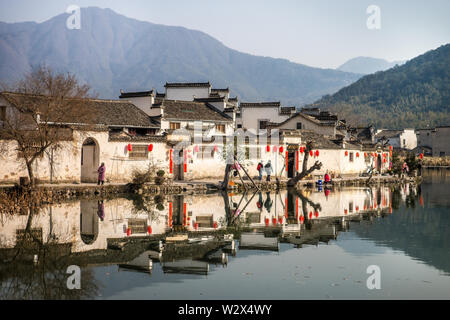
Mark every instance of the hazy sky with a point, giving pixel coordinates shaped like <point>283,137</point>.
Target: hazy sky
<point>316,32</point>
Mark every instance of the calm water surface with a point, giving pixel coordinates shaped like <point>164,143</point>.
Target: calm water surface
<point>311,245</point>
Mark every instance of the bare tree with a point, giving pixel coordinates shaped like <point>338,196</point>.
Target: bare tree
<point>42,110</point>
<point>305,171</point>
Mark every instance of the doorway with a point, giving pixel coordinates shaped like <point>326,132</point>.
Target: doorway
<point>179,168</point>
<point>291,164</point>
<point>90,157</point>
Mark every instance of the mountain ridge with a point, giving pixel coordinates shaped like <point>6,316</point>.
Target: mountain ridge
<point>112,52</point>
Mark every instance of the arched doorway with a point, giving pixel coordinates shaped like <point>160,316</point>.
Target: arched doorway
<point>90,158</point>
<point>88,221</point>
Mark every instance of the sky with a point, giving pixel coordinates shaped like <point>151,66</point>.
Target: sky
<point>318,33</point>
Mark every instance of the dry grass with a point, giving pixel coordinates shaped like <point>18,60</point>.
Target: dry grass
<point>436,161</point>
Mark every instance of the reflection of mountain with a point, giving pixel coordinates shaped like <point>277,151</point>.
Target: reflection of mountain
<point>421,234</point>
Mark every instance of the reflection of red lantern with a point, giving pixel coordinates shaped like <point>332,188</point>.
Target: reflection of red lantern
<point>266,221</point>
<point>316,214</point>
<point>149,230</point>
<point>310,214</point>
<point>129,147</point>
<point>195,225</point>
<point>128,232</point>
<point>421,156</point>
<point>268,148</point>
<point>345,211</point>
<point>196,148</point>
<point>281,149</point>
<point>311,153</point>
<point>317,153</point>
<point>274,220</point>
<point>280,220</point>
<point>327,192</point>
<point>302,218</point>
<point>357,208</point>
<point>150,147</point>
<point>274,148</point>
<point>216,148</point>
<point>215,225</point>
<point>346,153</point>
<point>301,149</point>
<point>390,148</point>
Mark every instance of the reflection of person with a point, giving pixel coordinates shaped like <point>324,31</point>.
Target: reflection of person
<point>259,204</point>
<point>268,168</point>
<point>101,174</point>
<point>268,203</point>
<point>101,210</point>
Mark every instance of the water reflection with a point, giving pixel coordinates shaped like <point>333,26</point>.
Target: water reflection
<point>195,234</point>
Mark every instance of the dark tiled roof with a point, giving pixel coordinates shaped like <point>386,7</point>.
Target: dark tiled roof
<point>220,90</point>
<point>260,104</point>
<point>388,133</point>
<point>187,84</point>
<point>192,110</point>
<point>287,110</point>
<point>211,99</point>
<point>124,95</point>
<point>122,136</point>
<point>104,112</point>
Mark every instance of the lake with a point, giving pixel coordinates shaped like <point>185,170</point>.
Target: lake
<point>336,243</point>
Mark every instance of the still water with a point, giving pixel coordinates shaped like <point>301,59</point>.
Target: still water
<point>314,244</point>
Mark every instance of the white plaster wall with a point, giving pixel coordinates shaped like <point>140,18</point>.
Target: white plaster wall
<point>408,139</point>
<point>187,94</point>
<point>143,103</point>
<point>250,116</point>
<point>441,141</point>
<point>308,125</point>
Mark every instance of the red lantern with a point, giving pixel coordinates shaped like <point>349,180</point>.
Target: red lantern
<point>128,232</point>
<point>280,220</point>
<point>268,148</point>
<point>357,208</point>
<point>357,154</point>
<point>346,153</point>
<point>301,149</point>
<point>274,148</point>
<point>196,148</point>
<point>149,230</point>
<point>372,154</point>
<point>266,221</point>
<point>311,153</point>
<point>281,149</point>
<point>216,148</point>
<point>195,225</point>
<point>274,220</point>
<point>302,218</point>
<point>390,148</point>
<point>129,147</point>
<point>365,155</point>
<point>310,214</point>
<point>317,153</point>
<point>215,225</point>
<point>316,214</point>
<point>150,147</point>
<point>345,211</point>
<point>421,156</point>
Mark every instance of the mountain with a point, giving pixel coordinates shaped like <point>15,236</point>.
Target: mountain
<point>112,52</point>
<point>415,94</point>
<point>367,65</point>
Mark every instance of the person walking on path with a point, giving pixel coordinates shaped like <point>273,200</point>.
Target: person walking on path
<point>269,170</point>
<point>260,169</point>
<point>101,174</point>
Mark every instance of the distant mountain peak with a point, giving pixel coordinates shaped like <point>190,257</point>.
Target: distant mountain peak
<point>367,65</point>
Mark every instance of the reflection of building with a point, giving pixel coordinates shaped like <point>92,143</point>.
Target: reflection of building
<point>257,241</point>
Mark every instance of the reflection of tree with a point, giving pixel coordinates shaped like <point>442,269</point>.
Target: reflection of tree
<point>46,278</point>
<point>148,204</point>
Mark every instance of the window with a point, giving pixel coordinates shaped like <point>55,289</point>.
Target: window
<point>404,142</point>
<point>263,124</point>
<point>299,125</point>
<point>350,207</point>
<point>351,156</point>
<point>2,113</point>
<point>175,125</point>
<point>239,126</point>
<point>138,152</point>
<point>220,128</point>
<point>206,152</point>
<point>442,154</point>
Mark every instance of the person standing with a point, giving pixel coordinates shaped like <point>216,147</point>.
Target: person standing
<point>269,170</point>
<point>101,174</point>
<point>260,169</point>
